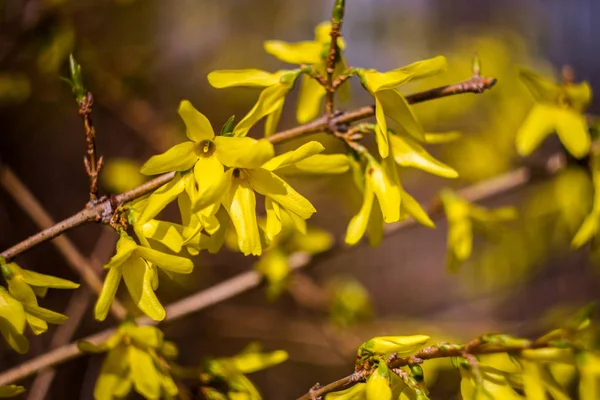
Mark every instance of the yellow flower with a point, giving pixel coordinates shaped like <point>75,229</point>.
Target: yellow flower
<point>407,152</point>
<point>378,384</point>
<point>24,286</point>
<point>463,218</point>
<point>135,360</point>
<point>137,265</point>
<point>207,154</point>
<point>386,345</point>
<point>240,200</point>
<point>558,108</point>
<point>270,101</point>
<point>589,226</point>
<point>313,53</point>
<point>12,322</point>
<point>389,102</point>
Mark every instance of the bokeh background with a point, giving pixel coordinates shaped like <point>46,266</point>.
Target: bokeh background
<point>142,57</point>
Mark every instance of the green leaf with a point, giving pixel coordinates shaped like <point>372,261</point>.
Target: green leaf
<point>227,128</point>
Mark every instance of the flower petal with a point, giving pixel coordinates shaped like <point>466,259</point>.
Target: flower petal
<point>138,277</point>
<point>381,131</point>
<point>309,99</point>
<point>412,207</point>
<point>305,52</point>
<point>242,77</point>
<point>572,130</point>
<point>209,176</point>
<point>167,233</point>
<point>358,224</point>
<point>409,153</point>
<point>386,190</point>
<point>291,157</point>
<point>180,157</point>
<point>180,265</point>
<point>115,369</point>
<point>320,164</point>
<point>162,196</point>
<point>243,152</point>
<point>273,223</point>
<point>417,70</point>
<point>272,120</point>
<point>240,203</point>
<point>539,124</point>
<point>107,295</point>
<point>198,126</point>
<point>41,280</point>
<point>541,88</point>
<point>397,108</point>
<point>269,101</point>
<point>143,373</point>
<point>268,184</point>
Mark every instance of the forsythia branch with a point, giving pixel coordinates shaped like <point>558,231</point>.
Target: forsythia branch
<point>103,210</point>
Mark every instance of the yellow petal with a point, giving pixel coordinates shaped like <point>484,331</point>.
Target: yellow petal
<point>323,32</point>
<point>381,130</point>
<point>306,52</point>
<point>198,126</point>
<point>309,100</point>
<point>36,279</point>
<point>403,345</point>
<point>579,95</point>
<point>378,384</point>
<point>273,224</point>
<point>107,295</point>
<point>240,203</point>
<point>417,70</point>
<point>272,120</point>
<point>143,373</point>
<point>180,157</point>
<point>268,184</point>
<point>37,325</point>
<point>12,322</point>
<point>210,181</point>
<point>291,157</point>
<point>45,314</point>
<point>539,123</point>
<point>532,381</point>
<point>144,336</point>
<point>542,89</point>
<point>587,230</point>
<point>320,164</point>
<point>414,209</point>
<point>167,233</point>
<point>358,224</point>
<point>275,267</point>
<point>375,230</point>
<point>387,192</point>
<point>572,130</point>
<point>161,197</point>
<point>115,369</point>
<point>243,152</point>
<point>11,390</point>
<point>269,101</point>
<point>242,77</point>
<point>313,242</point>
<point>247,363</point>
<point>397,108</point>
<point>20,290</point>
<point>442,137</point>
<point>180,265</point>
<point>138,279</point>
<point>409,153</point>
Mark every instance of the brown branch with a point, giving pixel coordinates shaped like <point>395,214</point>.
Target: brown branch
<point>104,209</point>
<point>78,305</point>
<point>28,203</point>
<point>246,281</point>
<point>92,164</point>
<point>443,350</point>
<point>337,18</point>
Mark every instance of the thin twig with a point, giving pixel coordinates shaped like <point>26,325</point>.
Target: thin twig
<point>78,305</point>
<point>104,209</point>
<point>239,284</point>
<point>93,164</point>
<point>28,203</point>
<point>333,55</point>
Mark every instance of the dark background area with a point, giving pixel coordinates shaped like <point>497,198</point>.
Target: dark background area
<point>140,58</point>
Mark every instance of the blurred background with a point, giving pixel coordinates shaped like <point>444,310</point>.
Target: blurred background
<point>140,58</point>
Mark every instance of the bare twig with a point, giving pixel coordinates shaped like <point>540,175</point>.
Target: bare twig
<point>337,17</point>
<point>104,209</point>
<point>239,284</point>
<point>79,303</point>
<point>27,201</point>
<point>92,164</point>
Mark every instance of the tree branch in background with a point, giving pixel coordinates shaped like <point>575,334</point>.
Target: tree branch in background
<point>246,281</point>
